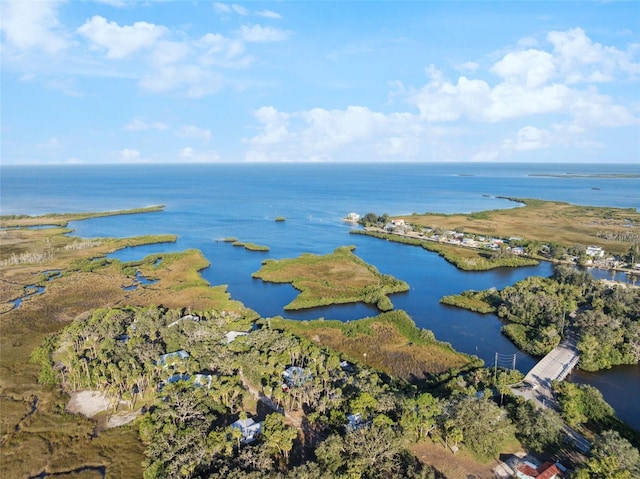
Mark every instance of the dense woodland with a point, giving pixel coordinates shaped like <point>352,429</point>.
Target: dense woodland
<point>332,419</point>
<point>540,311</point>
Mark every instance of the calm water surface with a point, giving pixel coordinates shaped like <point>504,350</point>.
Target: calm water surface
<point>204,203</point>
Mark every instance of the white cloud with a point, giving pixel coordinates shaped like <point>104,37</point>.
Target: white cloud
<point>130,155</point>
<point>275,126</point>
<point>189,155</point>
<point>190,131</point>
<point>529,138</point>
<point>582,60</point>
<point>32,25</point>
<point>227,9</point>
<point>260,34</point>
<point>140,125</point>
<point>529,67</point>
<point>219,50</point>
<point>269,14</point>
<point>122,41</point>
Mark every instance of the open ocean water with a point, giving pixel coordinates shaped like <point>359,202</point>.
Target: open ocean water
<point>207,202</point>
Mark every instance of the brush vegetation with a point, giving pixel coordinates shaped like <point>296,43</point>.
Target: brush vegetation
<point>336,278</point>
<point>37,435</point>
<point>389,342</point>
<point>550,222</point>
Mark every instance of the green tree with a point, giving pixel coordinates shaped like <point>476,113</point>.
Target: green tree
<point>277,436</point>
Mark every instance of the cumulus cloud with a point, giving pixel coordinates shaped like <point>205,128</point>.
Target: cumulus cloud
<point>122,41</point>
<point>532,82</point>
<point>260,34</point>
<point>32,25</point>
<point>274,125</point>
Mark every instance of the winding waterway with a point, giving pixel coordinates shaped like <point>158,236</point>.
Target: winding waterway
<point>207,202</point>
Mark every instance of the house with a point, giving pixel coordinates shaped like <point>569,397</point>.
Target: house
<point>249,429</point>
<point>517,250</point>
<point>202,380</point>
<point>547,470</point>
<point>170,359</point>
<point>232,335</point>
<point>352,218</point>
<point>296,376</point>
<point>595,252</point>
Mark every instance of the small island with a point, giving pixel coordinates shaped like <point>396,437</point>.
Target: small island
<point>337,278</point>
<point>250,246</point>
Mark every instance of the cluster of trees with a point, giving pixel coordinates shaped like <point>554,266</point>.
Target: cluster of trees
<point>540,311</point>
<point>187,428</point>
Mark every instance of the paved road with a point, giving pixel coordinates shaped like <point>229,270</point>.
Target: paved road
<point>555,366</point>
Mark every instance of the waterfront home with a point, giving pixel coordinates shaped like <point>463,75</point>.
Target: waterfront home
<point>595,251</point>
<point>352,218</point>
<point>233,335</point>
<point>249,429</point>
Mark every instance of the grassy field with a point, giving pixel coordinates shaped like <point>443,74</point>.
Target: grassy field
<point>336,278</point>
<point>36,434</point>
<point>614,229</point>
<point>389,342</point>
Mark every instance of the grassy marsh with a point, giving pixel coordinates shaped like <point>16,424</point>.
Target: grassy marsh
<point>390,342</point>
<point>336,278</point>
<point>546,221</point>
<point>36,434</point>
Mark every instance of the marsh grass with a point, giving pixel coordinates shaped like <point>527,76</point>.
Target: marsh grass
<point>389,342</point>
<point>336,278</point>
<point>545,221</point>
<point>46,438</point>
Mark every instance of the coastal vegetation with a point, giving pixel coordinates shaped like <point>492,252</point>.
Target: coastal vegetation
<point>332,419</point>
<point>336,278</point>
<point>389,342</point>
<point>540,222</point>
<point>251,246</point>
<point>63,219</point>
<point>176,363</point>
<point>37,435</point>
<point>540,311</point>
<point>466,259</point>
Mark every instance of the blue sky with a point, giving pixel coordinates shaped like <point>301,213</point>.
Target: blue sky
<point>123,81</point>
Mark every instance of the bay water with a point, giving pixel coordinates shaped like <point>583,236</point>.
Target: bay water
<point>205,203</point>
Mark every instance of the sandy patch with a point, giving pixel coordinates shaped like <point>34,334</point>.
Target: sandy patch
<point>121,418</point>
<point>88,403</point>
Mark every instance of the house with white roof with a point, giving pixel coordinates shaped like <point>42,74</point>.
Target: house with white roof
<point>249,429</point>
